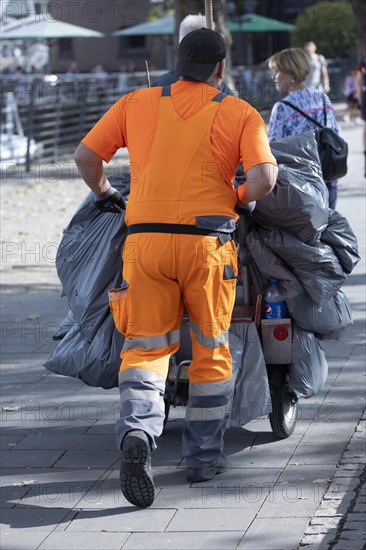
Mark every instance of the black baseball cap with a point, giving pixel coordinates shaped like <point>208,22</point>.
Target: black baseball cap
<point>198,54</point>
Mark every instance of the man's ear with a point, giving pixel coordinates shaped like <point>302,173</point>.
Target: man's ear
<point>221,68</point>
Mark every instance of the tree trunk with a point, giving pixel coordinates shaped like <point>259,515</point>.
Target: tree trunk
<point>193,7</point>
<point>219,18</point>
<point>359,9</point>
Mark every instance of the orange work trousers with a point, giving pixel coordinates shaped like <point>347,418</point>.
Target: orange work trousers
<point>163,274</point>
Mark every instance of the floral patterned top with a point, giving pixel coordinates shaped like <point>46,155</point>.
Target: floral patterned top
<point>284,121</point>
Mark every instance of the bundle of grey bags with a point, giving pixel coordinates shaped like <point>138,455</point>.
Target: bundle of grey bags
<point>293,236</point>
<point>88,264</point>
<point>310,249</point>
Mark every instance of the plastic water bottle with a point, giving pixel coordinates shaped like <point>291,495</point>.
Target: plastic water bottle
<point>274,302</point>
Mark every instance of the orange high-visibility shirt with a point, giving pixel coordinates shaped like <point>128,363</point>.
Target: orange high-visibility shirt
<point>184,150</point>
<point>238,133</point>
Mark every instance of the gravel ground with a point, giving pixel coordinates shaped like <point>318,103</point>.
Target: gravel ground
<point>35,209</point>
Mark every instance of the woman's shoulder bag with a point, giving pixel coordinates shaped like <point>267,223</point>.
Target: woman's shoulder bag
<point>332,149</point>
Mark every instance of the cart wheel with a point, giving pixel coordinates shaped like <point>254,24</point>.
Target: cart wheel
<point>284,402</point>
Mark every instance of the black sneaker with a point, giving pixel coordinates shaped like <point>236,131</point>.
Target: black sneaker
<point>136,478</point>
<point>205,473</point>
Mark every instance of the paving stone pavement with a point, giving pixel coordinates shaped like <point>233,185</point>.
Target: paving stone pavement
<point>60,486</point>
<point>339,521</point>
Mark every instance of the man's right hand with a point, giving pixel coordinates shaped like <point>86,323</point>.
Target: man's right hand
<point>110,201</point>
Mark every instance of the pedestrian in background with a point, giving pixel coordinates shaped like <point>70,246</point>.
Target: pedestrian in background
<point>361,95</point>
<point>101,75</point>
<point>23,84</point>
<point>290,69</point>
<point>179,251</point>
<point>350,93</point>
<point>318,77</point>
<point>73,69</point>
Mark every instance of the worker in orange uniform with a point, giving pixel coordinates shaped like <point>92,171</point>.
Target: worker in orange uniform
<point>185,142</point>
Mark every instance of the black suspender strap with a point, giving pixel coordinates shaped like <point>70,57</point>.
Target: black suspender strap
<point>325,112</point>
<point>304,114</point>
<point>165,92</point>
<point>219,97</point>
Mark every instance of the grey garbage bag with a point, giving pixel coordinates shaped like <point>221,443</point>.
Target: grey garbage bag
<point>316,266</point>
<point>309,369</point>
<point>89,262</point>
<point>67,324</point>
<point>267,265</point>
<point>328,320</point>
<point>301,153</point>
<point>95,362</point>
<point>251,389</point>
<point>340,236</point>
<point>299,201</point>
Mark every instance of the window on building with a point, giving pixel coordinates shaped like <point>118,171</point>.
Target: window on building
<point>65,48</point>
<point>132,46</point>
<point>137,42</point>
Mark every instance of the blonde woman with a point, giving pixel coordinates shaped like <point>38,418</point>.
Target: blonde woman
<point>290,68</point>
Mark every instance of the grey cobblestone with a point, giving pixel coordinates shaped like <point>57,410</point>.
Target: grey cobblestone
<point>351,525</point>
<point>348,470</point>
<point>318,529</point>
<point>352,535</point>
<point>319,540</point>
<point>359,508</point>
<point>330,523</point>
<point>355,517</point>
<point>345,484</point>
<point>346,545</point>
<point>352,460</point>
<point>343,505</point>
<point>332,508</point>
<point>355,452</point>
<point>357,449</point>
<point>340,495</point>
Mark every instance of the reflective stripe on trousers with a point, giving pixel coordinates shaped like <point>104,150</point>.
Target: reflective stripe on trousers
<point>207,417</point>
<point>141,404</point>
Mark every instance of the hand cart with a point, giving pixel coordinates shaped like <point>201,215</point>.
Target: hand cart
<point>276,341</point>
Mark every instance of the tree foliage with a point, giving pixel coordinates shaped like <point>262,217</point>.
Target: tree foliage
<point>158,12</point>
<point>331,25</point>
<point>359,9</point>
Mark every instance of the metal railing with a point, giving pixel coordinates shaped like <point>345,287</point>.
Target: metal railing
<point>56,111</point>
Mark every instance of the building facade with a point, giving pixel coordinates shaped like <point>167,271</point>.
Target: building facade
<point>106,16</point>
<point>127,54</point>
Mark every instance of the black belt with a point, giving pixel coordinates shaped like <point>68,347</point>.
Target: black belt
<point>174,228</point>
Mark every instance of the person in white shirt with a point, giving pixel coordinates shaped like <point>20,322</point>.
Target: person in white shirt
<point>318,78</point>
